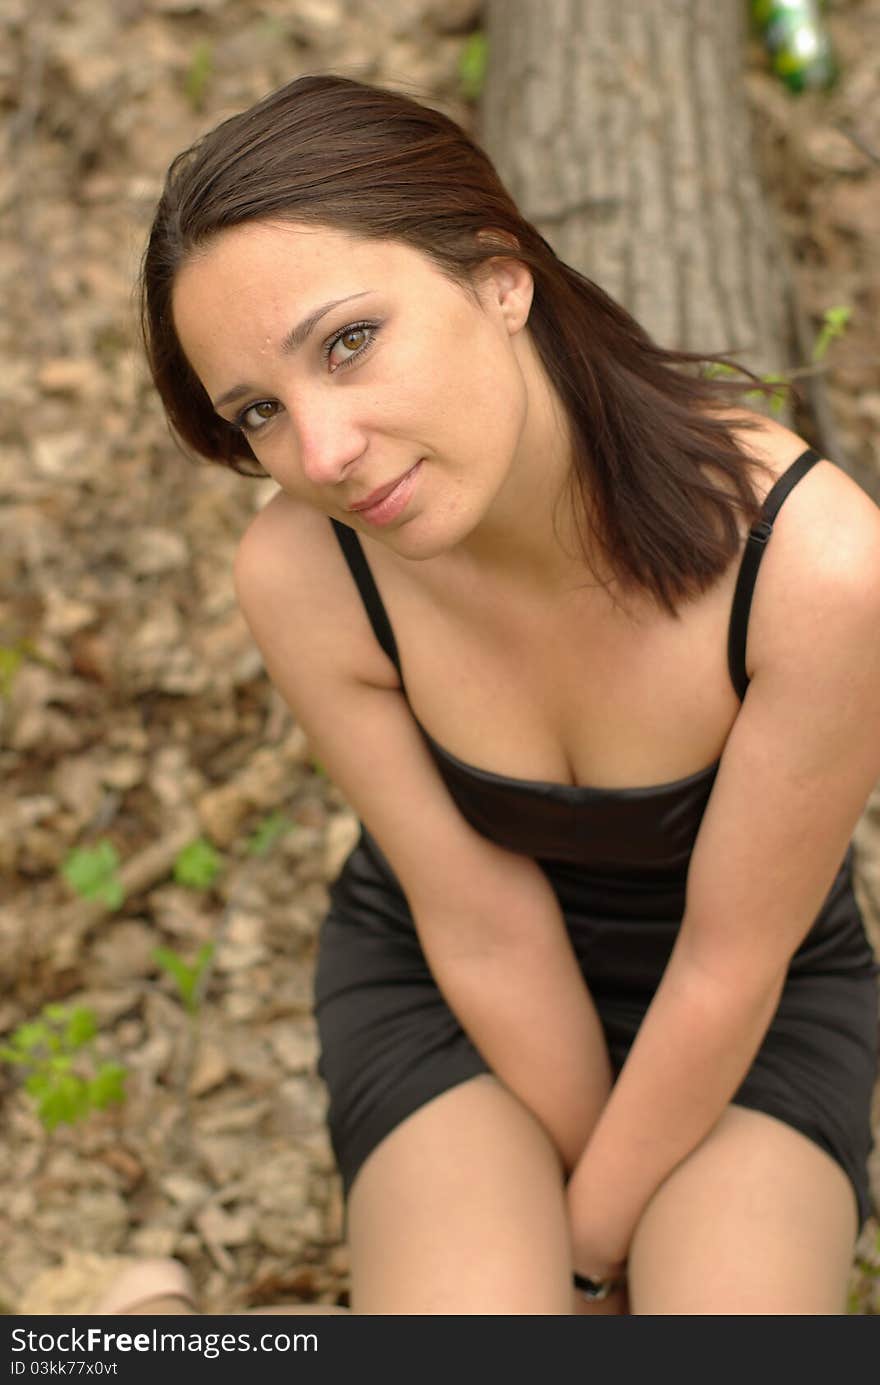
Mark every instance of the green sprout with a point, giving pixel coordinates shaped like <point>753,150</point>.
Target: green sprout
<point>47,1049</point>
<point>91,872</point>
<point>713,369</point>
<point>197,865</point>
<point>834,323</point>
<point>777,398</point>
<point>198,75</point>
<point>187,977</point>
<point>267,832</point>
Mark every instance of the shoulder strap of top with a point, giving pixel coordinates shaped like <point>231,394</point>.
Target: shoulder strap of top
<point>365,583</point>
<point>757,541</point>
<point>742,598</point>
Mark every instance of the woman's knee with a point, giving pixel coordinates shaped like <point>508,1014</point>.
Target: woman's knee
<point>461,1209</point>
<point>757,1220</point>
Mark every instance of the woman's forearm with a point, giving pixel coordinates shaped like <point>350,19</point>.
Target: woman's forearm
<point>527,1009</point>
<point>691,1053</point>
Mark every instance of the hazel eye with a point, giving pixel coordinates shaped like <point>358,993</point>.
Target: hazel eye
<point>251,419</point>
<point>357,339</point>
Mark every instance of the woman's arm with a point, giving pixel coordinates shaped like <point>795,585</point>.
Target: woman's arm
<point>488,920</point>
<point>799,764</point>
<point>518,991</point>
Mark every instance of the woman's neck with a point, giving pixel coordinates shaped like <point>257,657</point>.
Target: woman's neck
<point>530,534</point>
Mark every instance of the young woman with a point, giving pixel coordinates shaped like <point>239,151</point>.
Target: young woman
<point>593,994</point>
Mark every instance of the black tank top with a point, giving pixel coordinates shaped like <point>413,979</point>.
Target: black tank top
<point>606,830</point>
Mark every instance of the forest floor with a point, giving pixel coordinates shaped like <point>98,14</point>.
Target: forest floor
<point>134,708</point>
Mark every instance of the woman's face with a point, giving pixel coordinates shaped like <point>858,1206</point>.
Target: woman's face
<point>368,385</point>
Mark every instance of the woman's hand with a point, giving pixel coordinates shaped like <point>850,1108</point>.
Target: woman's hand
<point>602,1286</point>
<point>598,1258</point>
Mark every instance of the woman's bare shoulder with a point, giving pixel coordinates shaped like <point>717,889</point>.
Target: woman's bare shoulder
<point>279,520</point>
<point>831,507</point>
<point>289,568</point>
<point>819,584</point>
<point>819,580</point>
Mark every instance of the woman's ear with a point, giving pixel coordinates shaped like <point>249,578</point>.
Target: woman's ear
<point>506,284</point>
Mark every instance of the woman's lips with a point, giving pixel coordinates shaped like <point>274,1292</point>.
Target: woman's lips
<point>385,504</point>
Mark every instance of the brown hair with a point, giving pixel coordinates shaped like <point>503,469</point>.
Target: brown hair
<point>658,478</point>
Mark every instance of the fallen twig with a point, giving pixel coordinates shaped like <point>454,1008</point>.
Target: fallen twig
<point>855,138</point>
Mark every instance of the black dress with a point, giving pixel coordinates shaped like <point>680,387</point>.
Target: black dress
<point>617,860</point>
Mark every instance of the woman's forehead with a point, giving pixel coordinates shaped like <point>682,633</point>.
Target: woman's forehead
<point>298,251</point>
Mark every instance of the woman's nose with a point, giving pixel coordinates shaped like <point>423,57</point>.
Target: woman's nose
<point>330,442</point>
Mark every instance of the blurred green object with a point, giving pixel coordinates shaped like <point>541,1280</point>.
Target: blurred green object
<point>797,42</point>
<point>472,66</point>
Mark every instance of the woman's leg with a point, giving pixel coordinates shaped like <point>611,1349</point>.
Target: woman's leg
<point>151,1285</point>
<point>461,1210</point>
<point>757,1220</point>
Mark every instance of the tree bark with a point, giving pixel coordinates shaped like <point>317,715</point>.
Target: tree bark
<point>621,129</point>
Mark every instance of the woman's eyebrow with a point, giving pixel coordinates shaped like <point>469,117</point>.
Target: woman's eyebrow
<point>291,342</point>
<point>297,335</point>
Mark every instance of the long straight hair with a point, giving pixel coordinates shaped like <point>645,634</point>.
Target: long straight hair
<point>658,482</point>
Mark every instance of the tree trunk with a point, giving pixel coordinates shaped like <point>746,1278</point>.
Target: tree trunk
<point>620,127</point>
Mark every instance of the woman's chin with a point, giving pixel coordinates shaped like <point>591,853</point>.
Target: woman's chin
<point>423,536</point>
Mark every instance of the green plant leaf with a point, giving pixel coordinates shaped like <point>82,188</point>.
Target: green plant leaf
<point>199,74</point>
<point>204,955</point>
<point>91,871</point>
<point>197,865</point>
<point>28,1038</point>
<point>64,1101</point>
<point>48,1046</point>
<point>107,1085</point>
<point>186,977</point>
<point>834,323</point>
<point>111,892</point>
<point>267,832</point>
<point>175,966</point>
<point>80,1026</point>
<point>777,398</point>
<point>58,1064</point>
